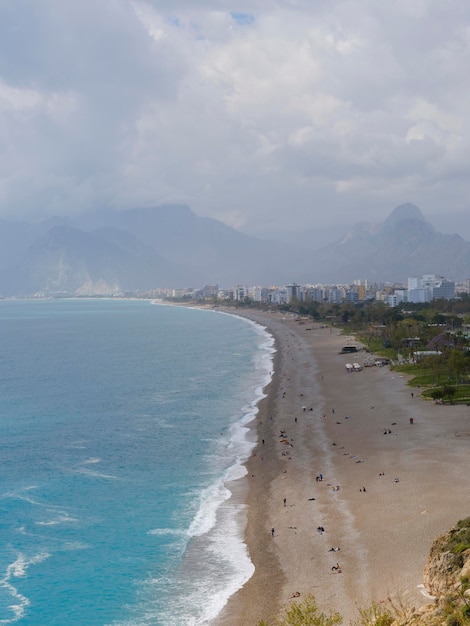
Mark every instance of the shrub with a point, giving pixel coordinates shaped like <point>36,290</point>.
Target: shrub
<point>459,540</point>
<point>382,614</point>
<point>306,613</point>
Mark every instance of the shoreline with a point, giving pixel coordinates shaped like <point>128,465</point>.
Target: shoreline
<point>385,532</point>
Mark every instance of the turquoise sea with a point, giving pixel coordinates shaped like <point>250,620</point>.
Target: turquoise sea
<point>122,424</point>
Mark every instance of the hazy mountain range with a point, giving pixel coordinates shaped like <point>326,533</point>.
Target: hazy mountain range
<point>169,246</point>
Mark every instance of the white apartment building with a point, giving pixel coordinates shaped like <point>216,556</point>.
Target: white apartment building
<point>426,288</point>
<point>419,295</point>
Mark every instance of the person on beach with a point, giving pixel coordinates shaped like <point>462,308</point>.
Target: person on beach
<point>272,532</point>
<point>285,501</point>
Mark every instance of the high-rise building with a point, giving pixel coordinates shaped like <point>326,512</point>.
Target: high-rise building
<point>293,292</point>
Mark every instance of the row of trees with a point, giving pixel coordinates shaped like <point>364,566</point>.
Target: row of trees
<point>452,313</point>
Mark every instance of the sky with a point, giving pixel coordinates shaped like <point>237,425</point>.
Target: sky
<point>271,116</point>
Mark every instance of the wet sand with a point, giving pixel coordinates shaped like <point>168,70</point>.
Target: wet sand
<point>319,419</point>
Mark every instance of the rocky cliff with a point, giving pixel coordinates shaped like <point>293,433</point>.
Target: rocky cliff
<point>447,579</point>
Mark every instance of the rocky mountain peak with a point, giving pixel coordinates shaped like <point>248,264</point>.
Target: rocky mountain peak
<point>405,211</point>
<point>402,214</point>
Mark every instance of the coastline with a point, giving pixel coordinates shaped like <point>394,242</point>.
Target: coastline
<point>385,532</point>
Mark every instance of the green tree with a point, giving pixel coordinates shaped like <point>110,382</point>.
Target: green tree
<point>434,363</point>
<point>437,394</point>
<point>449,391</point>
<point>457,364</point>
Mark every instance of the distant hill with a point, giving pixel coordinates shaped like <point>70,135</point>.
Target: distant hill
<point>169,246</point>
<point>210,251</point>
<point>404,245</point>
<point>111,252</point>
<point>69,261</point>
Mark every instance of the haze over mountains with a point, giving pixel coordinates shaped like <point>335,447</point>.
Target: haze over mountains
<point>169,246</point>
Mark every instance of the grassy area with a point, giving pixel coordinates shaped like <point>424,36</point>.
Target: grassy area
<point>429,379</point>
<point>375,346</point>
<point>461,396</point>
<point>420,377</point>
<point>425,381</point>
<point>421,380</point>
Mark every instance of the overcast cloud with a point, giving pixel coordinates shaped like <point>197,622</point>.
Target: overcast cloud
<point>269,116</point>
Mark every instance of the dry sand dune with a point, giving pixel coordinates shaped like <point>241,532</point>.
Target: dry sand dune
<point>385,496</point>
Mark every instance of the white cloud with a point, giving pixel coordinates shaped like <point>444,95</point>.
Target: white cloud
<point>348,46</point>
<point>301,136</point>
<point>14,99</point>
<point>424,110</point>
<point>254,115</point>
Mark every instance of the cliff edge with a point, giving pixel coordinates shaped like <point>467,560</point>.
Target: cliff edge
<point>447,579</point>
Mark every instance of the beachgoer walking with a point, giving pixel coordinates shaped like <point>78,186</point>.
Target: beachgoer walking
<point>285,501</point>
<point>272,532</point>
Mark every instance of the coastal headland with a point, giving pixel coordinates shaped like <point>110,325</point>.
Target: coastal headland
<point>356,461</point>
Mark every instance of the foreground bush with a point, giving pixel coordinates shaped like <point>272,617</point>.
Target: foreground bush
<point>306,613</point>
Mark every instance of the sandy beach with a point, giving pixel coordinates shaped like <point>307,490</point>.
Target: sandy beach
<point>394,475</point>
